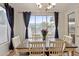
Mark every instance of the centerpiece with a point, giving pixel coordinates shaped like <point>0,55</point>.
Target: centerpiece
<point>44,33</point>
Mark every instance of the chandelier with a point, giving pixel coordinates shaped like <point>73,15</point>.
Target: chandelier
<point>49,5</point>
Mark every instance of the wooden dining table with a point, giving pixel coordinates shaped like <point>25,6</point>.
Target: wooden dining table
<point>69,49</point>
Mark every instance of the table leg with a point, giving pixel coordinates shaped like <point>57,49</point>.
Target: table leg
<point>71,52</point>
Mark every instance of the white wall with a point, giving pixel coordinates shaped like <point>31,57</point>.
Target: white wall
<point>19,26</point>
<point>61,23</point>
<point>77,29</point>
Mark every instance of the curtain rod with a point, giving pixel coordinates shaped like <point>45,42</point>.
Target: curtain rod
<point>37,12</point>
<point>40,11</point>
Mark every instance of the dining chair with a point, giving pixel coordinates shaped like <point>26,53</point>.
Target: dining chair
<point>36,51</point>
<point>16,41</point>
<point>56,48</point>
<point>68,39</point>
<point>36,44</point>
<point>36,48</point>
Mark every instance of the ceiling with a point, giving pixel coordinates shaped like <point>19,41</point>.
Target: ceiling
<point>30,7</point>
<point>21,7</point>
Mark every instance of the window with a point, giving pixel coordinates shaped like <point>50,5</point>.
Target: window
<point>37,23</point>
<point>71,23</point>
<point>71,26</point>
<point>3,26</point>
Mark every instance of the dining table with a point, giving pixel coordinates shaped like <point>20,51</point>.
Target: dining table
<point>23,47</point>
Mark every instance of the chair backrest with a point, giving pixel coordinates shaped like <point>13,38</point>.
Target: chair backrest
<point>36,51</point>
<point>36,44</point>
<point>58,48</point>
<point>16,41</point>
<point>36,48</point>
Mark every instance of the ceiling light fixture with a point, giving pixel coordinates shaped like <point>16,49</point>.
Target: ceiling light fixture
<point>39,5</point>
<point>53,3</point>
<point>50,5</point>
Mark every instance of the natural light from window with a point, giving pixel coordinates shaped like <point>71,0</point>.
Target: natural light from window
<point>37,23</point>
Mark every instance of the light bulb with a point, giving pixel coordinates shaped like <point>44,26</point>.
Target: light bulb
<point>49,7</point>
<point>39,5</point>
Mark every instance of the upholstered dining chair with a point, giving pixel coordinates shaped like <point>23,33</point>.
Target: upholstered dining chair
<point>36,48</point>
<point>68,39</point>
<point>56,48</point>
<point>16,41</point>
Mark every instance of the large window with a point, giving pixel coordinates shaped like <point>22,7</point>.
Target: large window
<point>37,23</point>
<point>3,26</point>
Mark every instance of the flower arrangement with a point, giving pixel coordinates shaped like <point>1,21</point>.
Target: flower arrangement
<point>44,33</point>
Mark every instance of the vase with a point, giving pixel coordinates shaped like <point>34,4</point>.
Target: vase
<point>44,38</point>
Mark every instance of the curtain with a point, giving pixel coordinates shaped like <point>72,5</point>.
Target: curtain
<point>10,17</point>
<point>56,15</point>
<point>26,16</point>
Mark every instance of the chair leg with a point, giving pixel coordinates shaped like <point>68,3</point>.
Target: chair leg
<point>17,53</point>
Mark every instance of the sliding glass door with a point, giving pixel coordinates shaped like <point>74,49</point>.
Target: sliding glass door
<point>37,23</point>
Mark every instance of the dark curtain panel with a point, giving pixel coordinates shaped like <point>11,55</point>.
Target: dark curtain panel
<point>56,15</point>
<point>10,16</point>
<point>26,16</point>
